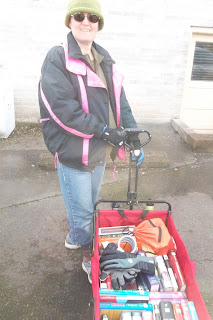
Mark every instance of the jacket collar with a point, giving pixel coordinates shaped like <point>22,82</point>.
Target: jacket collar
<point>74,51</point>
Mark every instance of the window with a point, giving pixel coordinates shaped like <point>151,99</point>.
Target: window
<point>202,69</point>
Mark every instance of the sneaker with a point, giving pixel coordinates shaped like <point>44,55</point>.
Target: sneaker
<point>68,243</point>
<point>86,266</point>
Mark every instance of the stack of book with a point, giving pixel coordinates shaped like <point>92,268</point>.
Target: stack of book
<point>161,296</point>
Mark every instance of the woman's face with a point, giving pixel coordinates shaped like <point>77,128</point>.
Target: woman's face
<point>84,32</point>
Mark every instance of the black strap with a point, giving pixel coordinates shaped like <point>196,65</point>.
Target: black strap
<point>160,234</point>
<point>121,212</point>
<point>113,154</point>
<point>144,214</point>
<point>152,224</point>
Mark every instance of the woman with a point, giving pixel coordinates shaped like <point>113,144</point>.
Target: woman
<point>83,106</point>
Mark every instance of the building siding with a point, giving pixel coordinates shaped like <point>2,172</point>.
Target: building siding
<point>148,39</point>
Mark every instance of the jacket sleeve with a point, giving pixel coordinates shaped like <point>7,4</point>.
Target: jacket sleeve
<point>128,120</point>
<point>59,96</point>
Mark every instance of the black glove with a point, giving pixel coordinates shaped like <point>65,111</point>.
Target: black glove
<point>137,264</point>
<point>116,137</point>
<point>115,254</point>
<point>132,137</point>
<point>111,252</point>
<point>118,277</point>
<point>135,145</point>
<point>134,142</point>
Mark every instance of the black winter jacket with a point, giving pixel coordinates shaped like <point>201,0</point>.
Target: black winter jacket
<point>61,109</point>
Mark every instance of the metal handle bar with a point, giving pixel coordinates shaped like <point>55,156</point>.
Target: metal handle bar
<point>137,201</point>
<point>138,130</point>
<point>132,195</point>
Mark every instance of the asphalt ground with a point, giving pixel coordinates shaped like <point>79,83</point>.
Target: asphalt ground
<point>39,277</point>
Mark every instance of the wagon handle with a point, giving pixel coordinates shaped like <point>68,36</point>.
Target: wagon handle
<point>138,130</point>
<point>132,195</point>
<point>149,201</point>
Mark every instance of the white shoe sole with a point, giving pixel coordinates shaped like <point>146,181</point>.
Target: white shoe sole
<point>71,246</point>
<point>85,270</point>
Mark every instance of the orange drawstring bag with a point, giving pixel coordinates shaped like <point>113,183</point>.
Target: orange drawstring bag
<point>155,233</point>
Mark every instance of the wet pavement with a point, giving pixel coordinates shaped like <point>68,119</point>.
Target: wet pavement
<point>39,277</point>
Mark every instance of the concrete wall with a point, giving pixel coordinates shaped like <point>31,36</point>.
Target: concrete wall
<point>149,40</point>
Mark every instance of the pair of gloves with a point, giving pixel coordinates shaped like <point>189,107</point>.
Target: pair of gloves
<point>123,266</point>
<point>118,136</point>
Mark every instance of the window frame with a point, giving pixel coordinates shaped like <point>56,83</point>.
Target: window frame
<point>199,34</point>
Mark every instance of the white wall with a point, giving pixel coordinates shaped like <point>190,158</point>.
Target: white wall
<point>148,39</point>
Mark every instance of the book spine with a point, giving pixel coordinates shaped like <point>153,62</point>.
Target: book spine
<point>147,315</point>
<point>124,315</point>
<point>157,301</point>
<point>177,271</point>
<point>192,310</point>
<point>178,311</point>
<point>161,289</point>
<point>108,282</point>
<point>123,299</point>
<point>123,292</point>
<point>115,230</point>
<point>168,295</point>
<point>163,273</point>
<point>171,273</point>
<point>137,315</point>
<point>156,312</point>
<point>185,309</point>
<point>126,306</point>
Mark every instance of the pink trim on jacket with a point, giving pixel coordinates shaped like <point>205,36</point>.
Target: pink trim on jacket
<point>56,160</point>
<point>80,68</point>
<point>44,119</point>
<point>93,80</point>
<point>85,106</point>
<point>84,100</point>
<point>121,153</point>
<point>73,131</point>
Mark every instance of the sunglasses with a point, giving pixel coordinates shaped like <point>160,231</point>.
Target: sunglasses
<point>80,17</point>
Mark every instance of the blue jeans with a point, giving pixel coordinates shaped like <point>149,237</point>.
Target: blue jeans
<point>80,191</point>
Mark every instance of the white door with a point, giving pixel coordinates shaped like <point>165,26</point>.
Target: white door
<point>197,106</point>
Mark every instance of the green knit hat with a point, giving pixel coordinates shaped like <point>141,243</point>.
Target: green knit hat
<point>89,6</point>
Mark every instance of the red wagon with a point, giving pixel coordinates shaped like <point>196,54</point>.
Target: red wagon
<point>130,216</point>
